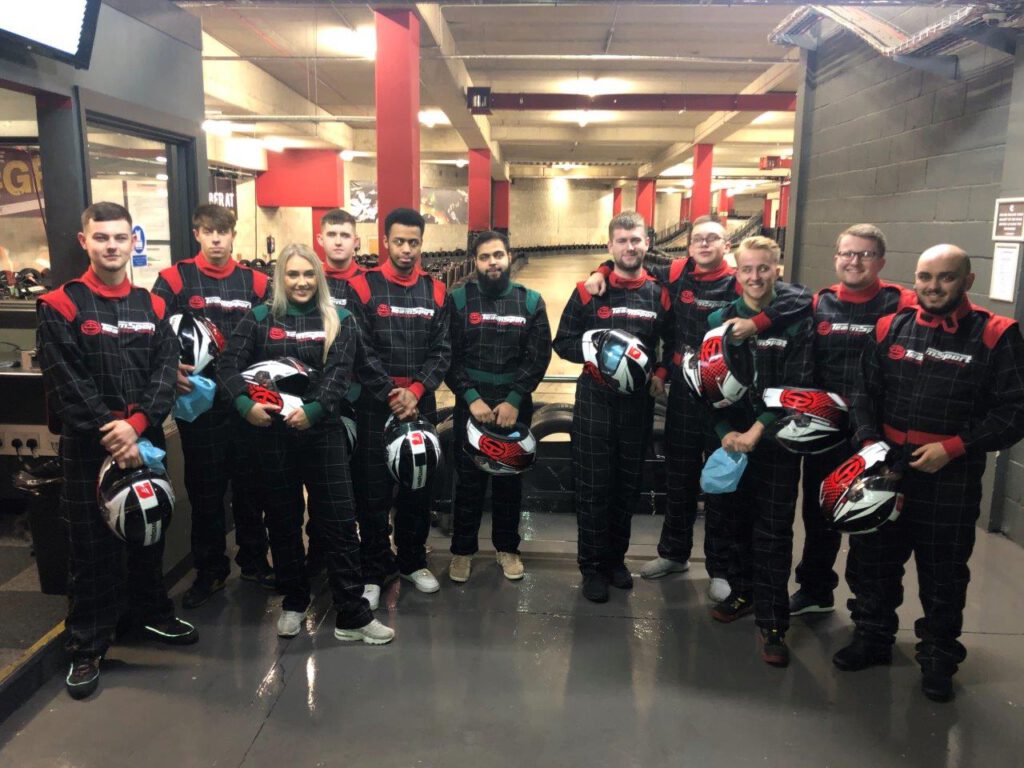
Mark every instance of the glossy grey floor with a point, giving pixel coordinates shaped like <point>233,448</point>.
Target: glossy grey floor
<point>494,673</point>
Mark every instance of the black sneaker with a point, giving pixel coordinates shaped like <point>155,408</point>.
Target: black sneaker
<point>937,687</point>
<point>595,587</point>
<point>83,677</point>
<point>733,607</point>
<point>860,654</point>
<point>773,648</point>
<point>173,631</point>
<point>202,589</point>
<point>261,573</point>
<point>803,601</point>
<point>619,576</point>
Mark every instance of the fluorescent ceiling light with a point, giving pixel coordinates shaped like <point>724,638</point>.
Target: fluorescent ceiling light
<point>160,159</point>
<point>161,177</point>
<point>217,127</point>
<point>595,86</point>
<point>763,118</point>
<point>347,155</point>
<point>361,42</point>
<point>584,117</point>
<point>462,163</point>
<point>431,117</point>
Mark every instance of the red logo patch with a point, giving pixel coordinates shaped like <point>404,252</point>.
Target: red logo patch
<point>475,318</point>
<point>711,348</point>
<point>383,310</point>
<point>197,302</point>
<point>896,352</point>
<point>824,328</point>
<point>508,453</point>
<point>604,312</point>
<point>277,333</point>
<point>265,396</point>
<point>634,352</point>
<point>145,490</point>
<point>839,480</point>
<point>687,297</point>
<point>416,438</point>
<point>801,401</point>
<point>90,328</point>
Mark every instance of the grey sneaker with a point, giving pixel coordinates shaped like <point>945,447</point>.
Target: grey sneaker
<point>460,568</point>
<point>371,593</point>
<point>289,623</point>
<point>373,633</point>
<point>662,566</point>
<point>511,565</point>
<point>423,580</point>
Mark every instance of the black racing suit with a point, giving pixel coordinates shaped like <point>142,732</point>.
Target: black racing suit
<point>843,320</point>
<point>610,431</point>
<point>213,455</point>
<point>405,328</point>
<point>106,354</point>
<point>760,513</point>
<point>317,458</point>
<point>957,380</point>
<point>501,347</point>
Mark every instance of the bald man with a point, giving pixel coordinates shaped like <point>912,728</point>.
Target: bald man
<point>943,383</point>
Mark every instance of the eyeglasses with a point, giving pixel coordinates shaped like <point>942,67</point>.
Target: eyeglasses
<point>862,255</point>
<point>706,240</point>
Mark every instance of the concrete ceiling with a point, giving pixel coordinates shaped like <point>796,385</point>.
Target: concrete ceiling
<point>625,47</point>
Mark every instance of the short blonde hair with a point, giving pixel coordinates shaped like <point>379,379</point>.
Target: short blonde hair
<point>758,243</point>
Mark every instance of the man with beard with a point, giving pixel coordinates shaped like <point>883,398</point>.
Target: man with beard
<point>610,430</point>
<point>501,347</point>
<point>944,384</point>
<point>403,313</point>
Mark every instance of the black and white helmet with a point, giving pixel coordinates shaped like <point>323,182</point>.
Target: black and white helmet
<point>200,340</point>
<point>281,382</point>
<point>413,452</point>
<point>618,359</point>
<point>500,451</point>
<point>862,493</point>
<point>135,503</point>
<point>809,420</point>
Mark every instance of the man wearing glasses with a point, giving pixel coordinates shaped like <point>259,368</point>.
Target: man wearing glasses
<point>844,318</point>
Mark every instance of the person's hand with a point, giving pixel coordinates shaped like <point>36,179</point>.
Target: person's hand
<point>129,458</point>
<point>402,403</point>
<point>744,442</point>
<point>930,458</point>
<point>505,415</point>
<point>183,385</point>
<point>297,419</point>
<point>596,284</point>
<point>657,387</point>
<point>741,328</point>
<point>481,411</point>
<point>260,414</point>
<point>118,436</point>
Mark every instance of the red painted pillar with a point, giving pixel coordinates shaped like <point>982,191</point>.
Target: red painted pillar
<point>303,178</point>
<point>645,190</point>
<point>500,204</point>
<point>783,204</point>
<point>702,164</point>
<point>766,217</point>
<point>397,88</point>
<point>479,190</point>
<point>616,201</point>
<point>723,202</point>
<point>684,208</point>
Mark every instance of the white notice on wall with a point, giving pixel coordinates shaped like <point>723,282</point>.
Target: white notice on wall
<point>1004,271</point>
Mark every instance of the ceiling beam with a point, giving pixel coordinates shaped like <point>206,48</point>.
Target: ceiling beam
<point>781,101</point>
<point>592,134</point>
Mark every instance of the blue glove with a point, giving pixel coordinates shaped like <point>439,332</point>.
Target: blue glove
<point>152,456</point>
<point>192,405</point>
<point>722,471</point>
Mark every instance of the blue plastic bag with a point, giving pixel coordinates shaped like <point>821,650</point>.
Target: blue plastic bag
<point>722,471</point>
<point>152,456</point>
<point>191,405</point>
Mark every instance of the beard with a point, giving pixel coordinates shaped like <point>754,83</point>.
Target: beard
<point>493,287</point>
<point>953,300</point>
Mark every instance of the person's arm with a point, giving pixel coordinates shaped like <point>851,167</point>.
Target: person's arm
<point>798,367</point>
<point>158,397</point>
<point>869,390</point>
<point>568,341</point>
<point>457,379</point>
<point>237,357</point>
<point>534,357</point>
<point>793,303</point>
<point>1003,424</point>
<point>439,356</point>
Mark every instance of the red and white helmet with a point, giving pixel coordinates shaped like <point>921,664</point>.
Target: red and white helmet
<point>500,451</point>
<point>200,340</point>
<point>810,420</point>
<point>862,493</point>
<point>617,358</point>
<point>136,503</point>
<point>719,372</point>
<point>413,452</point>
<point>281,382</point>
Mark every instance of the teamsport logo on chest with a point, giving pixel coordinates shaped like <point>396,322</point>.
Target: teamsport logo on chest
<point>825,328</point>
<point>339,302</point>
<point>490,318</point>
<point>227,305</point>
<point>898,352</point>
<point>688,297</point>
<point>628,312</point>
<point>772,343</point>
<point>387,310</point>
<point>277,334</point>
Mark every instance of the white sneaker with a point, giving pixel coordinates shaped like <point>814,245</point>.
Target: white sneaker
<point>373,633</point>
<point>371,593</point>
<point>289,623</point>
<point>423,579</point>
<point>719,590</point>
<point>662,566</point>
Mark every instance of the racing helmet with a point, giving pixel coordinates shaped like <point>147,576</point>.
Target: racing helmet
<point>200,340</point>
<point>617,358</point>
<point>862,493</point>
<point>136,503</point>
<point>810,420</point>
<point>347,412</point>
<point>500,451</point>
<point>281,382</point>
<point>720,372</point>
<point>413,452</point>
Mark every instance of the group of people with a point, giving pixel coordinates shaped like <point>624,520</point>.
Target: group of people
<point>930,372</point>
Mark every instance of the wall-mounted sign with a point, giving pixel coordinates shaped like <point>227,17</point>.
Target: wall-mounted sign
<point>138,246</point>
<point>1005,259</point>
<point>1008,221</point>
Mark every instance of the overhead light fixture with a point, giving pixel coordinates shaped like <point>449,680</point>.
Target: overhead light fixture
<point>688,183</point>
<point>584,117</point>
<point>347,155</point>
<point>360,42</point>
<point>217,127</point>
<point>431,117</point>
<point>161,177</point>
<point>275,144</point>
<point>595,86</point>
<point>160,159</point>
<point>669,190</point>
<point>462,162</point>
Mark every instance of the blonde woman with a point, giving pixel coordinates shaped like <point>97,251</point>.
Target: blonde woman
<point>303,442</point>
